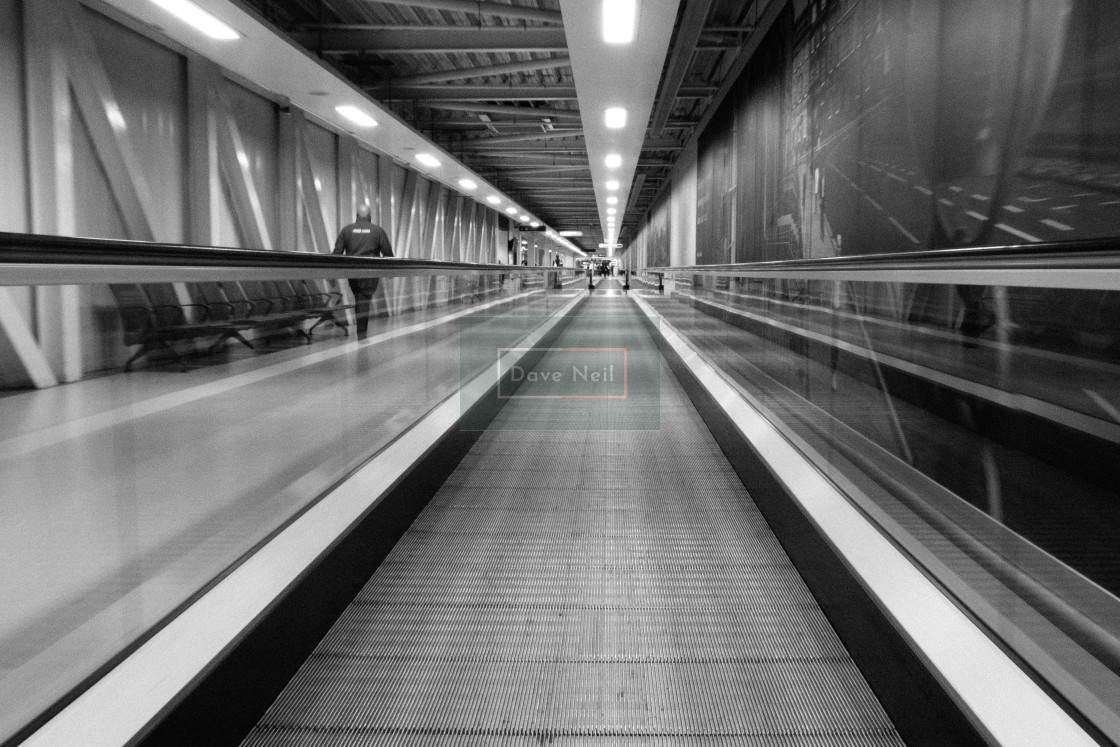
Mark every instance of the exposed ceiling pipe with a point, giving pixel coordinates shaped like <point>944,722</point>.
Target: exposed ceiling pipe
<point>495,92</point>
<point>429,39</point>
<point>512,111</point>
<point>635,190</point>
<point>484,8</point>
<point>462,73</point>
<point>484,142</point>
<point>502,92</point>
<point>692,25</point>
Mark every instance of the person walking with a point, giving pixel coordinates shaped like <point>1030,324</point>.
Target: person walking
<point>363,239</point>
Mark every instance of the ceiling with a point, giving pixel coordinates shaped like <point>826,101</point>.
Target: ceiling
<point>498,85</point>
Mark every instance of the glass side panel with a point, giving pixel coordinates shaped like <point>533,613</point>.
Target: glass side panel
<point>208,415</point>
<point>980,426</point>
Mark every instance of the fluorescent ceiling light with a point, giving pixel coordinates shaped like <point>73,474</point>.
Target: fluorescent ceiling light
<point>619,18</point>
<point>615,117</point>
<point>494,200</point>
<point>612,184</point>
<point>190,13</point>
<point>511,210</point>
<point>356,115</point>
<point>467,184</point>
<point>535,224</point>
<point>428,160</point>
<point>613,161</point>
<point>612,211</point>
<point>612,200</point>
<point>571,233</point>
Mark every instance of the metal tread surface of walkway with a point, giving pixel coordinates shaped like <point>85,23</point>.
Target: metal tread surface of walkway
<point>590,587</point>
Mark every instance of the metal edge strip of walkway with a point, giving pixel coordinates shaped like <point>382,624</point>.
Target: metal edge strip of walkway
<point>998,696</point>
<point>129,699</point>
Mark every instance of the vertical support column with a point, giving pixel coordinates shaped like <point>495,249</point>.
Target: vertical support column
<point>387,197</point>
<point>405,213</point>
<point>290,219</point>
<point>349,185</point>
<point>51,174</point>
<point>204,191</point>
<point>486,243</point>
<point>431,240</point>
<point>470,233</point>
<point>454,230</point>
<point>367,184</point>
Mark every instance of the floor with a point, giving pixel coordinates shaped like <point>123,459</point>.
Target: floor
<point>594,572</point>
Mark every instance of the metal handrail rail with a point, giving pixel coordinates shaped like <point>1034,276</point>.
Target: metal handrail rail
<point>1089,264</point>
<point>34,259</point>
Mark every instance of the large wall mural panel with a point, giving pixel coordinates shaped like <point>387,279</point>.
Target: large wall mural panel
<point>880,126</point>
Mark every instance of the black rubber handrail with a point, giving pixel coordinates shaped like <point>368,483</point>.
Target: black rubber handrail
<point>21,248</point>
<point>1082,254</point>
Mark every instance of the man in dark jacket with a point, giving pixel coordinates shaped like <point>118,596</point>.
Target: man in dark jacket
<point>363,239</point>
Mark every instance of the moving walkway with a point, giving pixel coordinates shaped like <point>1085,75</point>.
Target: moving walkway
<point>451,552</point>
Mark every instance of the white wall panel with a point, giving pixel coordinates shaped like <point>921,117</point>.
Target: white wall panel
<point>13,185</point>
<point>322,155</point>
<point>226,231</point>
<point>149,84</point>
<point>256,119</point>
<point>155,137</point>
<point>368,168</point>
<point>96,213</point>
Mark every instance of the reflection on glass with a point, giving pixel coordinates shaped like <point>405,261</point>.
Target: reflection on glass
<point>981,424</point>
<point>223,409</point>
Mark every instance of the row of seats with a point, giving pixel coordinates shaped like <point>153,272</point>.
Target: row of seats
<point>153,316</point>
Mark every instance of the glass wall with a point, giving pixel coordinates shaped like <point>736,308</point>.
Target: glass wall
<point>977,425</point>
<point>231,405</point>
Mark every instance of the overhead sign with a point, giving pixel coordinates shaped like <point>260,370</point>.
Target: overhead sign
<point>530,228</point>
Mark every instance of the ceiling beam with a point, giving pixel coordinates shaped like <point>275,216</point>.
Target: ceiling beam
<point>529,172</point>
<point>558,191</point>
<point>471,124</point>
<point>430,39</point>
<point>541,159</point>
<point>758,32</point>
<point>497,140</point>
<point>639,180</point>
<point>484,8</point>
<point>390,91</point>
<point>485,149</point>
<point>494,92</point>
<point>688,34</point>
<point>483,145</point>
<point>462,73</point>
<point>508,110</point>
